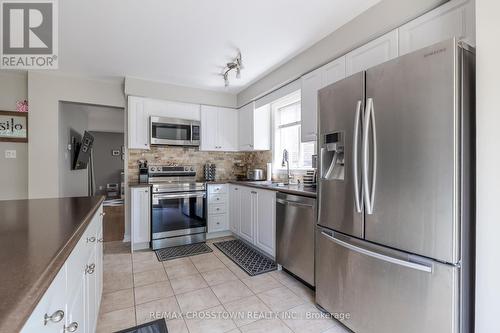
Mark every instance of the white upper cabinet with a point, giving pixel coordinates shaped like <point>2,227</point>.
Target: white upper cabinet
<point>219,129</point>
<point>138,123</point>
<point>373,53</point>
<point>254,127</point>
<point>453,19</point>
<point>310,84</point>
<point>169,109</point>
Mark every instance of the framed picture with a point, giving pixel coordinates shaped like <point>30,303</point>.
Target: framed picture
<point>13,126</point>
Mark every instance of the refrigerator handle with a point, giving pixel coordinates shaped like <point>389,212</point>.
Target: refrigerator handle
<point>358,200</point>
<point>369,191</point>
<point>380,256</point>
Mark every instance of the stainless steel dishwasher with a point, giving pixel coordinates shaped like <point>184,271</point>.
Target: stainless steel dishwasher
<point>295,223</point>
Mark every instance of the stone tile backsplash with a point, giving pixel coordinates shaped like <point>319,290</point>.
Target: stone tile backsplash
<point>228,164</point>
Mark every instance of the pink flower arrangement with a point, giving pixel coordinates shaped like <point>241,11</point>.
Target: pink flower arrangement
<point>22,106</point>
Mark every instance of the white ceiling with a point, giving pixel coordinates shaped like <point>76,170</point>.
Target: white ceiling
<point>186,42</point>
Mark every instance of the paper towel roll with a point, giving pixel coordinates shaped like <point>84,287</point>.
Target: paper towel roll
<point>269,172</point>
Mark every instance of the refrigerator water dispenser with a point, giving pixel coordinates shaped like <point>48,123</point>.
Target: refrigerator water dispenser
<point>332,156</point>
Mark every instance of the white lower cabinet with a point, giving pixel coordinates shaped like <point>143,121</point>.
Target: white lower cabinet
<point>234,208</point>
<point>140,217</point>
<point>252,216</point>
<point>265,221</point>
<point>71,303</point>
<point>217,217</point>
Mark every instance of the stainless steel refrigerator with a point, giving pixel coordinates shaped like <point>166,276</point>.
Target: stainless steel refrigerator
<point>394,249</point>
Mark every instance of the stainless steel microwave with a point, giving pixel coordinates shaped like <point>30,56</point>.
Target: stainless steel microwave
<point>174,132</point>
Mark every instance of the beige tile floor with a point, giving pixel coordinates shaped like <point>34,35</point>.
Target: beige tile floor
<point>139,289</point>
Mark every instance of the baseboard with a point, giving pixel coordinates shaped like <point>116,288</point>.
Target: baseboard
<point>212,235</point>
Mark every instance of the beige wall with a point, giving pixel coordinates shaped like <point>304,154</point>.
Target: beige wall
<point>488,167</point>
<point>381,18</point>
<point>160,90</point>
<point>13,172</point>
<point>45,91</point>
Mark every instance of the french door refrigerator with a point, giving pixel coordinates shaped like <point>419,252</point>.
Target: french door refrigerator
<point>394,234</point>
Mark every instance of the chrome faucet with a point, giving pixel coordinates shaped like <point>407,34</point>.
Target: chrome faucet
<point>285,160</point>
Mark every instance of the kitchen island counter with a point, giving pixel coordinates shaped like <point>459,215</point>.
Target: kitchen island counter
<point>36,238</point>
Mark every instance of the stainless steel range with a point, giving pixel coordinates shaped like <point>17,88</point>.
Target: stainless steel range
<point>178,206</point>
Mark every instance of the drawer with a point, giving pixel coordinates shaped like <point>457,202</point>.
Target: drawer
<point>217,208</point>
<point>220,188</point>
<point>217,198</point>
<point>217,223</point>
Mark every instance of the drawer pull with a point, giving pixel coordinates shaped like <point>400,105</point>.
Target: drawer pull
<point>71,327</point>
<point>55,317</point>
<point>90,239</point>
<point>90,269</point>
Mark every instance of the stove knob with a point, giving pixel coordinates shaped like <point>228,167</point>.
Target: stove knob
<point>192,169</point>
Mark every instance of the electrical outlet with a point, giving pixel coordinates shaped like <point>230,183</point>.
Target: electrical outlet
<point>10,154</point>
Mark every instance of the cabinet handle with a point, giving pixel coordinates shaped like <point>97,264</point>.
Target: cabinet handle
<point>55,317</point>
<point>217,199</point>
<point>145,191</point>
<point>71,327</point>
<point>102,213</point>
<point>90,269</point>
<point>254,192</point>
<point>90,239</point>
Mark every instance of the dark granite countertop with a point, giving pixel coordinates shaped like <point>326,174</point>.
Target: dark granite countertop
<point>291,189</point>
<point>137,184</point>
<point>297,189</point>
<point>36,238</point>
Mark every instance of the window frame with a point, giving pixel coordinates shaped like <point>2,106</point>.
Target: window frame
<point>292,98</point>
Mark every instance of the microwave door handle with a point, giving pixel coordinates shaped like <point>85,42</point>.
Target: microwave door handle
<point>191,132</point>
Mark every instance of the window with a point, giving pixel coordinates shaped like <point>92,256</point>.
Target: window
<point>286,131</point>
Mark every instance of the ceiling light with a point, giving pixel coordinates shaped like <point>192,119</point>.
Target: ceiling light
<point>237,65</point>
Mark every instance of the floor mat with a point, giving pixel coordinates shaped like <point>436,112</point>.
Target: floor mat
<point>175,252</point>
<point>157,326</point>
<point>250,260</point>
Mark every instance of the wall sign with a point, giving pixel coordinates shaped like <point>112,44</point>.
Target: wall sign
<point>13,127</point>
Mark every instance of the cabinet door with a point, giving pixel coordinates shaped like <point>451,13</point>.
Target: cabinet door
<point>311,83</point>
<point>138,124</point>
<point>99,264</point>
<point>453,19</point>
<point>261,128</point>
<point>140,213</point>
<point>248,197</point>
<point>333,71</point>
<point>209,128</point>
<point>373,53</point>
<point>234,209</point>
<point>76,307</point>
<point>265,231</point>
<point>245,127</point>
<point>169,109</point>
<point>91,293</point>
<point>53,300</point>
<point>227,121</point>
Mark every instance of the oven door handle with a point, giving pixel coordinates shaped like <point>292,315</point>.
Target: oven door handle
<point>182,195</point>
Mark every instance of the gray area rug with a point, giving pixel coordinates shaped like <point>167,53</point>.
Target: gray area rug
<point>175,252</point>
<point>250,260</point>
